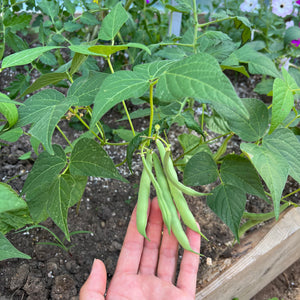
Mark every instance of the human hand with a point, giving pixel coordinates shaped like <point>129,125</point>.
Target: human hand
<point>146,269</point>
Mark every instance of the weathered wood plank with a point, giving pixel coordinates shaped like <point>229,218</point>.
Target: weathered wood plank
<point>277,250</point>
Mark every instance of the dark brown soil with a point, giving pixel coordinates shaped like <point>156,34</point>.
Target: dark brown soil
<point>105,210</point>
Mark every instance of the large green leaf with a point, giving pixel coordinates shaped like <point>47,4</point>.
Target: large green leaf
<point>45,169</point>
<point>272,167</point>
<point>9,199</point>
<point>7,250</point>
<point>228,202</point>
<point>201,77</point>
<point>88,158</point>
<point>83,90</point>
<point>254,128</point>
<point>201,169</point>
<point>65,191</point>
<point>116,88</point>
<point>45,80</point>
<point>113,22</point>
<point>239,171</point>
<point>283,99</point>
<point>283,142</point>
<point>154,69</point>
<point>258,63</point>
<point>44,110</point>
<point>25,57</point>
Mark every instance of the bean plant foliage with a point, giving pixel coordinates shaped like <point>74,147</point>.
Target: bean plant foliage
<point>167,78</point>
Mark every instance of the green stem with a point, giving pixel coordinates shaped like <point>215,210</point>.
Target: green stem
<point>290,194</point>
<point>64,136</point>
<point>123,102</point>
<point>128,3</point>
<point>151,107</point>
<point>255,219</point>
<point>195,15</point>
<point>86,125</point>
<point>176,44</point>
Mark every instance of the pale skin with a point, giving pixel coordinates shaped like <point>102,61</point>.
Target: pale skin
<point>146,269</point>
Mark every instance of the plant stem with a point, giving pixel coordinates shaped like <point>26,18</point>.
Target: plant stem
<point>123,102</point>
<point>64,136</point>
<point>86,125</point>
<point>151,107</point>
<point>196,24</point>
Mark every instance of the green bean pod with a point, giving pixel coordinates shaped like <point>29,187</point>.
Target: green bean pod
<point>180,202</point>
<point>175,225</point>
<point>143,199</point>
<point>160,198</point>
<point>172,176</point>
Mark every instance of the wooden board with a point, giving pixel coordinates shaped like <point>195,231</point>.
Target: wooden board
<point>275,252</point>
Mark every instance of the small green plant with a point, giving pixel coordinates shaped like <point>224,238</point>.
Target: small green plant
<point>168,80</point>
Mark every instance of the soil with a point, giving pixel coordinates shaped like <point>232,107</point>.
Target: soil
<point>105,211</point>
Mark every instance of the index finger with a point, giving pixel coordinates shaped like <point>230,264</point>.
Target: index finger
<point>130,256</point>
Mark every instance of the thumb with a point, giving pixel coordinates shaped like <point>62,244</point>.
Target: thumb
<point>95,286</point>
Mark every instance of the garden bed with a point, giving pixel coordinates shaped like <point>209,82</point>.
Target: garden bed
<point>105,210</point>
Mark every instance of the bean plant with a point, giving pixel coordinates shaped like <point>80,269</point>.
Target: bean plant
<point>122,54</point>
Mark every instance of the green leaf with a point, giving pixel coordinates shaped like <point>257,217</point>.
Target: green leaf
<point>292,33</point>
<point>11,135</point>
<point>201,77</point>
<point>7,250</point>
<point>240,69</point>
<point>239,172</point>
<point>216,123</point>
<point>44,80</point>
<point>44,110</point>
<point>45,169</point>
<point>60,198</point>
<point>283,102</point>
<point>9,199</point>
<point>113,22</point>
<point>264,87</point>
<point>6,99</point>
<point>83,90</point>
<point>15,42</point>
<point>258,63</point>
<point>201,169</point>
<point>272,168</point>
<point>283,142</point>
<point>107,50</point>
<point>10,112</point>
<point>124,134</point>
<point>18,22</point>
<point>72,26</point>
<point>88,18</point>
<point>133,145</point>
<point>50,8</point>
<point>116,88</point>
<point>12,220</point>
<point>14,212</point>
<point>84,49</point>
<point>254,128</point>
<point>25,57</point>
<point>228,202</point>
<point>191,123</point>
<point>88,158</point>
<point>77,60</point>
<point>154,69</point>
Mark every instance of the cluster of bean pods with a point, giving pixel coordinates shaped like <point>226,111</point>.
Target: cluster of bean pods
<point>169,191</point>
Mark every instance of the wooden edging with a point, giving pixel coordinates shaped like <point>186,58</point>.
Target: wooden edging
<point>277,250</point>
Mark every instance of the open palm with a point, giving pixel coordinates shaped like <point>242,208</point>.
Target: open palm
<point>146,269</point>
